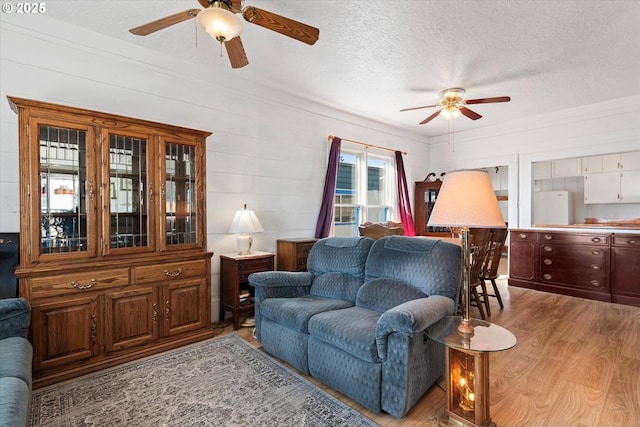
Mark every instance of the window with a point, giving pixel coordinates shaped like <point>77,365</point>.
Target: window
<point>364,190</point>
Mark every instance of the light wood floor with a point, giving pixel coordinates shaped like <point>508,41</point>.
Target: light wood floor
<point>577,363</point>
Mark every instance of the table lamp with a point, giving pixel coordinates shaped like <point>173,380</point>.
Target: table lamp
<point>245,222</point>
<point>466,200</point>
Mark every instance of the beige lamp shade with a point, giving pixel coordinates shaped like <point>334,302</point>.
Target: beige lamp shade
<point>466,199</point>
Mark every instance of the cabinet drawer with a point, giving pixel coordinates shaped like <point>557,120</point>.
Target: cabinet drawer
<point>591,239</point>
<point>171,271</point>
<point>523,235</point>
<point>249,266</point>
<point>594,280</point>
<point>627,241</point>
<point>78,282</point>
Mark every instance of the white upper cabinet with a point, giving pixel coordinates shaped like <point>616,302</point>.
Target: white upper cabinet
<point>614,178</point>
<point>566,168</point>
<point>541,170</point>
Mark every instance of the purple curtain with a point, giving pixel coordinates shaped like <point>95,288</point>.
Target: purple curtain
<point>404,204</point>
<point>325,217</point>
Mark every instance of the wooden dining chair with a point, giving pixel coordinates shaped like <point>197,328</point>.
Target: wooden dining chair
<point>492,262</point>
<point>479,239</point>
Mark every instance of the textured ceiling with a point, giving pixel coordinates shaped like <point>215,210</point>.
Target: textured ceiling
<point>375,57</point>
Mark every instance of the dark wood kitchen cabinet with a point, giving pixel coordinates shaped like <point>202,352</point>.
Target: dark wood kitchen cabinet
<point>600,266</point>
<point>625,269</point>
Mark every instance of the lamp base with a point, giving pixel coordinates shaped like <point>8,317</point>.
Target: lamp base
<point>465,328</point>
<point>244,242</point>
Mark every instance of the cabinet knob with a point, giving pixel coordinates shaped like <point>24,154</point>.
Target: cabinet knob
<point>547,248</point>
<point>595,283</point>
<point>547,276</point>
<point>547,261</point>
<point>523,235</point>
<point>595,266</point>
<point>595,252</point>
<point>548,237</point>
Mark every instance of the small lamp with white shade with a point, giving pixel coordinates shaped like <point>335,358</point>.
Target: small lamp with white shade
<point>245,222</point>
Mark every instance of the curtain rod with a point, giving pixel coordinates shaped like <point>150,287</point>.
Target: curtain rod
<point>366,145</point>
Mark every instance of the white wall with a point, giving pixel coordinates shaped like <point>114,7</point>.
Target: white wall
<point>607,127</point>
<point>267,150</point>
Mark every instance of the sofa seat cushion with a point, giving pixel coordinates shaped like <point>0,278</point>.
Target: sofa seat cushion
<point>352,330</point>
<point>15,358</point>
<point>295,313</point>
<point>383,294</point>
<point>15,399</point>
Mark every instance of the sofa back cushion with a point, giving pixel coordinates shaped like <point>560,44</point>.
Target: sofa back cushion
<point>430,265</point>
<point>337,266</point>
<point>382,294</point>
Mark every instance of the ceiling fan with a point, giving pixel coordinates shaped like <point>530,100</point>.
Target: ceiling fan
<point>220,19</point>
<point>452,105</point>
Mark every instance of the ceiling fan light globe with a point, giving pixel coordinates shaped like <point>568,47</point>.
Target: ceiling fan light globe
<point>450,112</point>
<point>220,23</point>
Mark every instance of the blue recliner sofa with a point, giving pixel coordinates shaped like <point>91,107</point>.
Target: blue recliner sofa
<point>15,362</point>
<point>357,320</point>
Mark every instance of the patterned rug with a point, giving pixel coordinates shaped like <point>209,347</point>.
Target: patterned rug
<point>219,382</point>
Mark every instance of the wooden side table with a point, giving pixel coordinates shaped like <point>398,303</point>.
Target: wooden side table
<point>468,367</point>
<point>237,294</point>
<point>292,254</point>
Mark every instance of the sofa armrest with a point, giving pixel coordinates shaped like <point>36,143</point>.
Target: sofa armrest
<point>280,284</point>
<point>15,316</point>
<point>411,318</point>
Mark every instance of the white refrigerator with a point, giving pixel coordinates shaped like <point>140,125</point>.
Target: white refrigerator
<point>552,207</point>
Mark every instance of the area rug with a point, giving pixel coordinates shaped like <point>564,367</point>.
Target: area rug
<point>219,382</point>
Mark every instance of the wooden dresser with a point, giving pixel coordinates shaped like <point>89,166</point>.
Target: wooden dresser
<point>113,252</point>
<point>292,254</point>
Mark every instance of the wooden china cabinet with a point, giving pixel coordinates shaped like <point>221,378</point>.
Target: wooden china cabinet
<point>426,193</point>
<point>113,252</point>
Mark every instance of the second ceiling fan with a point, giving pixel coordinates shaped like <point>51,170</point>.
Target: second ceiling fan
<point>452,105</point>
<point>220,19</point>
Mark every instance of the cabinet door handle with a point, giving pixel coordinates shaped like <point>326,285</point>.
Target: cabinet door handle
<point>595,266</point>
<point>81,287</point>
<point>150,193</point>
<point>595,252</point>
<point>548,237</point>
<point>595,283</point>
<point>632,242</point>
<point>174,274</point>
<point>547,277</point>
<point>155,313</point>
<point>547,261</point>
<point>547,248</point>
<point>523,236</point>
<point>166,310</point>
<point>595,240</point>
<point>94,327</point>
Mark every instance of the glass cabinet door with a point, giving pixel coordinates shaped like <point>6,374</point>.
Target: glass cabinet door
<point>179,194</point>
<point>129,193</point>
<point>67,190</point>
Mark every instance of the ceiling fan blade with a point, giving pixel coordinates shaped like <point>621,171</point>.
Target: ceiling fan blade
<point>236,53</point>
<point>431,117</point>
<point>165,22</point>
<point>469,113</point>
<point>488,100</point>
<point>418,108</point>
<point>285,26</point>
